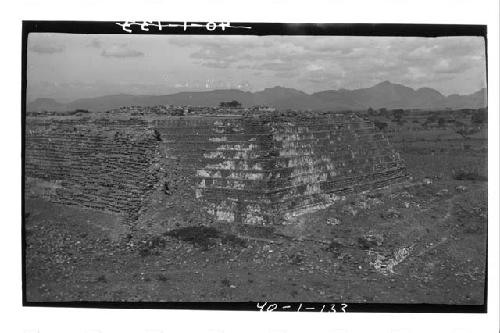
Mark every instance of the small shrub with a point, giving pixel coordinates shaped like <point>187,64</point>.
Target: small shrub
<point>198,236</point>
<point>162,278</point>
<point>152,246</point>
<point>380,125</point>
<point>225,282</point>
<point>469,175</point>
<point>296,259</point>
<point>233,240</point>
<point>204,237</point>
<point>480,116</point>
<point>398,114</point>
<point>441,122</point>
<point>334,247</point>
<point>102,278</point>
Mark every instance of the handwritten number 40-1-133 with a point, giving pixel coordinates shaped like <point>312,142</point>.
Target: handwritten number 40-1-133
<point>323,308</point>
<point>128,26</point>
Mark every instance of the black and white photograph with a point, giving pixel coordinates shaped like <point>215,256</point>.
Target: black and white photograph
<point>270,168</point>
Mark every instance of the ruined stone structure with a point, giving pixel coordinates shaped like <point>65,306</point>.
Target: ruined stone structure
<point>100,164</point>
<point>257,170</point>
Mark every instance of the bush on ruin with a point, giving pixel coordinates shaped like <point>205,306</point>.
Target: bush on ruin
<point>380,125</point>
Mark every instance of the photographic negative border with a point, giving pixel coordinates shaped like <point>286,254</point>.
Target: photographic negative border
<point>256,29</point>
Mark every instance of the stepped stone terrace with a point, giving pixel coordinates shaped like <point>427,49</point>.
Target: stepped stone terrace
<point>254,169</point>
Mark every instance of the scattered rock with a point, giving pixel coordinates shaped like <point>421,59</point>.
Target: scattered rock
<point>296,258</point>
<point>348,209</point>
<point>442,192</point>
<point>391,213</point>
<point>333,221</point>
<point>334,247</point>
<point>370,240</point>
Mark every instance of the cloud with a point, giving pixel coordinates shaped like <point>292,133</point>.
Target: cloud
<point>308,63</point>
<point>276,66</point>
<point>449,66</point>
<point>120,51</point>
<point>216,64</point>
<point>286,75</point>
<point>217,52</point>
<point>218,55</point>
<point>331,62</point>
<point>47,48</point>
<point>95,43</point>
<point>114,50</point>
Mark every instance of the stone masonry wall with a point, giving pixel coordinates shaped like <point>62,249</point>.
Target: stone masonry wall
<point>256,170</point>
<point>102,164</point>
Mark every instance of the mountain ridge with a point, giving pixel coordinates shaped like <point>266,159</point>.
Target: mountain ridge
<point>382,95</point>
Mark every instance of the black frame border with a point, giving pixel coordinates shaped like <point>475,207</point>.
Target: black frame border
<point>257,29</point>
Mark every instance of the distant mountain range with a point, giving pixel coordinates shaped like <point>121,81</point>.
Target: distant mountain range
<point>383,95</point>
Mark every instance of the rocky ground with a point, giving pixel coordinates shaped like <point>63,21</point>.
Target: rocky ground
<point>423,243</point>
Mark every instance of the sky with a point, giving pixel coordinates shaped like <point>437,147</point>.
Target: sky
<point>71,66</point>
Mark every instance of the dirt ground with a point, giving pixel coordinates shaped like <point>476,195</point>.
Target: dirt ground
<point>423,243</point>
